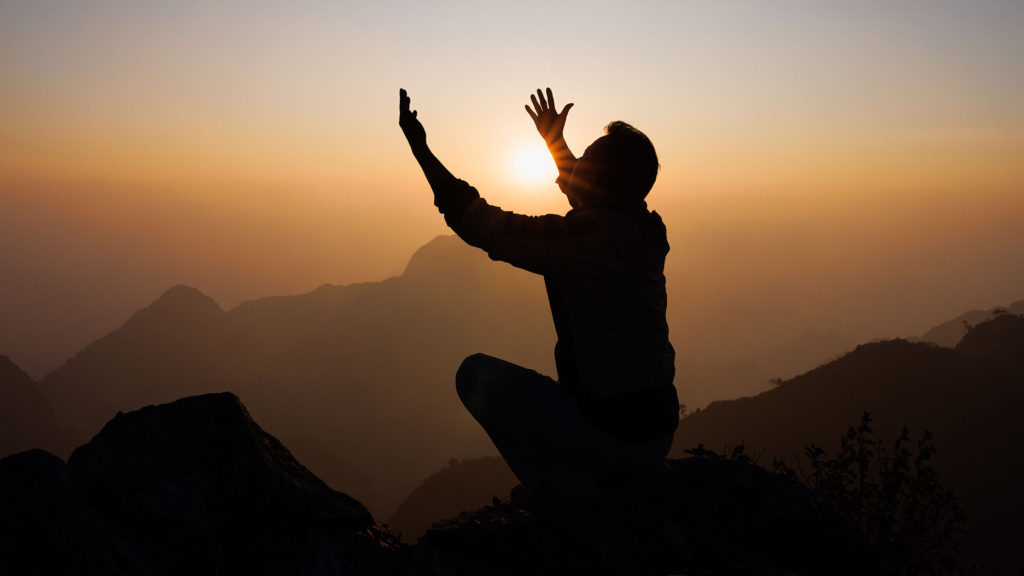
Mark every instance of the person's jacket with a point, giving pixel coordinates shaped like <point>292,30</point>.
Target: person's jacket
<point>604,272</point>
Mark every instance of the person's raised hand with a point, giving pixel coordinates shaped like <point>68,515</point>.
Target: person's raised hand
<point>411,126</point>
<point>549,123</point>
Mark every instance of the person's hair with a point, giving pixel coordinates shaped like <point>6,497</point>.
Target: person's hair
<point>627,160</point>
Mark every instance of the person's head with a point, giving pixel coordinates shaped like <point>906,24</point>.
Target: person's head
<point>618,169</point>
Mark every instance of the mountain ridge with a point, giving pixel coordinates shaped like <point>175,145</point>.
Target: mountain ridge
<point>27,420</point>
<point>968,397</point>
<point>950,332</point>
<point>311,365</point>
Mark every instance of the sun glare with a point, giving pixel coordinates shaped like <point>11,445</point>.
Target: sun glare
<point>532,164</point>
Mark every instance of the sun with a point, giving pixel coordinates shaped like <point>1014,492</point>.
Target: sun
<point>532,164</point>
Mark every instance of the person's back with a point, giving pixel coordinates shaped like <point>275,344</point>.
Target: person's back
<point>614,403</point>
<point>613,348</point>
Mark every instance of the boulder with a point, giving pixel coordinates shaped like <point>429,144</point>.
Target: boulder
<point>194,486</point>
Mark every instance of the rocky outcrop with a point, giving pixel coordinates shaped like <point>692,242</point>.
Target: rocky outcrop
<point>190,487</point>
<point>707,515</point>
<point>197,487</point>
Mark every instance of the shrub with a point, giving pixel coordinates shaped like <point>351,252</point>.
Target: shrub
<point>910,523</point>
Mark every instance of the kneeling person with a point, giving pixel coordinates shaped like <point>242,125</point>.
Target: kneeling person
<point>614,406</point>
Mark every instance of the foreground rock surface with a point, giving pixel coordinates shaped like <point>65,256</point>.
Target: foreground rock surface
<point>197,487</point>
<point>190,487</point>
<point>718,516</point>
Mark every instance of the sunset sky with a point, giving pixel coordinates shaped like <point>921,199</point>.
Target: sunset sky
<point>252,148</point>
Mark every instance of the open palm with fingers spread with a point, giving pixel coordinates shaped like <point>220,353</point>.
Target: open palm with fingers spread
<point>549,123</point>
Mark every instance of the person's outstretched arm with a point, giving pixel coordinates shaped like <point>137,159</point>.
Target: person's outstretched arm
<point>540,244</point>
<point>551,125</point>
<point>416,135</point>
<point>450,193</point>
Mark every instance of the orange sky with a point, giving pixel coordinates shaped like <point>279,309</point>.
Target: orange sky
<point>253,150</point>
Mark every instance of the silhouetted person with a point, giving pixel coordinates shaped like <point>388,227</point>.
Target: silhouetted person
<point>614,406</point>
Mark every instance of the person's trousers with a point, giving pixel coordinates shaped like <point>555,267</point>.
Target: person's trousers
<point>537,426</point>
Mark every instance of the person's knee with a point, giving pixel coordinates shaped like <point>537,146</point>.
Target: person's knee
<point>470,376</point>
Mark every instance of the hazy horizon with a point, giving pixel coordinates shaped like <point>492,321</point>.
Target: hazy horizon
<point>852,168</point>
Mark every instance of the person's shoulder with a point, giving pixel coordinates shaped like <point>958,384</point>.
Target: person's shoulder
<point>597,214</point>
<point>635,218</point>
<point>636,226</point>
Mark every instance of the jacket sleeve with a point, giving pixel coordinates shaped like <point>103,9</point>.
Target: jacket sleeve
<point>546,245</point>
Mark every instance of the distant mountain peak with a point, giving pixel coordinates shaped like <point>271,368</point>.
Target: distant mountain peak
<point>446,252</point>
<point>182,294</point>
<point>179,302</point>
